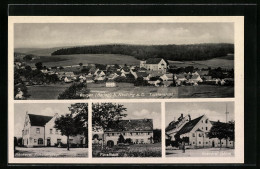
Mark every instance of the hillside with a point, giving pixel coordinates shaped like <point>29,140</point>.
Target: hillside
<point>142,52</point>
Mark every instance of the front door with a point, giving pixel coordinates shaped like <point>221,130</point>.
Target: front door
<point>213,144</point>
<point>48,142</point>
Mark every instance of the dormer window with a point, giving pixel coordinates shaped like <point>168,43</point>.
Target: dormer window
<point>38,130</point>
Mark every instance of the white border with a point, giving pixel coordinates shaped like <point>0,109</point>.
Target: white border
<point>239,90</point>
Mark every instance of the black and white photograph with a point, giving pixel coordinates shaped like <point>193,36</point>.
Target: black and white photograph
<point>126,130</point>
<point>197,129</point>
<point>123,60</point>
<point>50,130</point>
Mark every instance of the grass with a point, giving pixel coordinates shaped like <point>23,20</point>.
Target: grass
<point>223,62</point>
<point>68,60</point>
<point>206,91</point>
<point>135,150</point>
<point>129,91</point>
<point>46,92</point>
<point>51,152</point>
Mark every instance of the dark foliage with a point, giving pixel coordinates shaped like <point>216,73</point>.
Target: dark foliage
<point>168,52</point>
<point>73,92</point>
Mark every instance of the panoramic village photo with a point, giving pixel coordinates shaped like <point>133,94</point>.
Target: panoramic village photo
<point>197,129</point>
<point>123,60</point>
<point>50,130</point>
<point>126,130</point>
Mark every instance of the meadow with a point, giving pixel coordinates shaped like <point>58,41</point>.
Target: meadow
<point>129,91</point>
<point>135,150</point>
<point>223,62</point>
<point>68,60</point>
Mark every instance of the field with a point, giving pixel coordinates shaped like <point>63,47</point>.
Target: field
<point>206,91</point>
<point>223,62</point>
<point>68,60</point>
<point>129,91</point>
<point>206,152</point>
<point>48,92</point>
<point>51,152</point>
<point>135,150</point>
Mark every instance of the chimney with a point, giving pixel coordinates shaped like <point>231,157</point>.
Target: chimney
<point>189,117</point>
<point>181,115</point>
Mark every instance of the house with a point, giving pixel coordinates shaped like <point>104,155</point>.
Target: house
<point>180,77</point>
<point>154,82</point>
<point>167,83</point>
<point>110,83</point>
<point>195,132</point>
<point>140,131</point>
<point>155,64</point>
<point>125,70</point>
<point>112,76</point>
<point>68,79</point>
<point>100,78</point>
<point>89,80</point>
<point>39,131</point>
<point>167,77</point>
<point>99,73</point>
<point>195,79</point>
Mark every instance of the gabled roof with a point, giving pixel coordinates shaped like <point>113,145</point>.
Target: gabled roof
<point>39,120</point>
<point>154,60</point>
<point>172,125</point>
<point>189,126</point>
<point>131,125</point>
<point>195,77</point>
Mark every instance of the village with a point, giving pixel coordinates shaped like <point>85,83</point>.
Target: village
<point>155,72</point>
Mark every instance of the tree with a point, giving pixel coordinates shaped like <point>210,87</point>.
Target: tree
<point>75,91</point>
<point>39,65</point>
<point>67,126</point>
<point>28,57</point>
<point>140,82</point>
<point>121,139</point>
<point>106,114</point>
<point>80,113</point>
<point>80,64</point>
<point>219,130</point>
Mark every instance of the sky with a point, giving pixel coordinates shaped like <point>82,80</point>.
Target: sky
<point>144,110</point>
<point>134,111</point>
<point>47,109</point>
<point>213,110</point>
<point>47,35</point>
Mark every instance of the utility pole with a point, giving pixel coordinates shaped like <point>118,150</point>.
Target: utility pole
<point>226,123</point>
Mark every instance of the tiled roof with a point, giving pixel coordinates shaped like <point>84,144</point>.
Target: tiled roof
<point>172,125</point>
<point>189,126</point>
<point>39,120</point>
<point>131,125</point>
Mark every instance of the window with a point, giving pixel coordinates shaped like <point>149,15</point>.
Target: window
<point>50,131</point>
<point>136,133</point>
<point>56,131</point>
<point>58,141</point>
<point>199,135</point>
<point>136,141</point>
<point>131,134</point>
<point>206,142</point>
<point>199,142</point>
<point>108,134</point>
<point>193,134</point>
<point>113,134</point>
<point>124,134</point>
<point>193,142</point>
<point>206,128</point>
<point>40,141</point>
<point>37,130</point>
<point>206,121</point>
<point>148,133</point>
<point>202,128</point>
<point>201,121</point>
<point>35,140</point>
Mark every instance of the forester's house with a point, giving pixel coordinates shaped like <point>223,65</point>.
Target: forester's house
<point>196,132</point>
<point>140,131</point>
<point>154,64</point>
<point>39,131</point>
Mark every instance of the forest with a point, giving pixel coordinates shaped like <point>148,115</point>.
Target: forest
<point>169,52</point>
